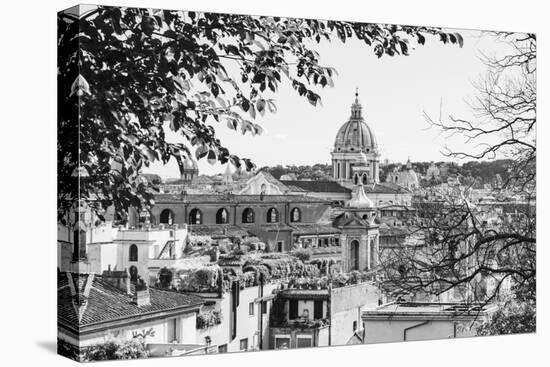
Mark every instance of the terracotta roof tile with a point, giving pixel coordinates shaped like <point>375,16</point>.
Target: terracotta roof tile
<point>106,303</point>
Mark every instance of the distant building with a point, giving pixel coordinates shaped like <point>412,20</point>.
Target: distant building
<point>432,173</point>
<point>410,321</point>
<point>406,177</point>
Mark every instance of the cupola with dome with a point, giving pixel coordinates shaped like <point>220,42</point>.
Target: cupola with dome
<point>355,158</point>
<point>189,170</point>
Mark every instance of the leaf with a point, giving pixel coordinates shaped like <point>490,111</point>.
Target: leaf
<point>201,151</point>
<point>148,25</point>
<point>221,101</point>
<point>260,106</point>
<point>211,157</point>
<point>460,39</point>
<point>312,98</point>
<point>252,111</point>
<point>271,106</point>
<point>232,124</point>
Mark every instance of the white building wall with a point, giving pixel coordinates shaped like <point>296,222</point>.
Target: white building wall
<point>385,331</point>
<point>186,332</point>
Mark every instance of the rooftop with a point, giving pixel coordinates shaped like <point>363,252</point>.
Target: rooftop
<point>86,300</point>
<point>233,198</point>
<point>317,186</point>
<point>218,230</point>
<point>314,228</point>
<point>303,294</point>
<point>426,310</point>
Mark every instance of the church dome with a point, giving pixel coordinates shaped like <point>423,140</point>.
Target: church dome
<point>359,199</point>
<point>355,135</point>
<point>411,178</point>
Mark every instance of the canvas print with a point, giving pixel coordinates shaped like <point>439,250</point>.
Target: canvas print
<point>232,183</point>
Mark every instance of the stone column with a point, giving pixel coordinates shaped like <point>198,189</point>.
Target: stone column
<point>364,253</point>
<point>376,250</point>
<point>345,253</point>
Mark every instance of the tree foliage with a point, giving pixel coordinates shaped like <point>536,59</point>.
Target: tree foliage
<point>516,314</point>
<point>126,76</point>
<point>115,349</point>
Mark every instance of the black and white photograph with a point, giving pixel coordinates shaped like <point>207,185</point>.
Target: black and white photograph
<point>236,183</point>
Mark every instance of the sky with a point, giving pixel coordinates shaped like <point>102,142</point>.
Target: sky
<point>394,92</point>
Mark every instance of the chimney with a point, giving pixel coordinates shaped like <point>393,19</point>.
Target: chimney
<point>118,278</point>
<point>142,296</point>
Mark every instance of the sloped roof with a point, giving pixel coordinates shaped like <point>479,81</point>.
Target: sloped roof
<point>314,228</point>
<point>386,188</point>
<point>302,294</point>
<point>88,300</point>
<point>317,186</point>
<point>392,231</point>
<point>350,219</point>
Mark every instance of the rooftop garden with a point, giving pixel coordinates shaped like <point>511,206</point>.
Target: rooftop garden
<point>254,269</point>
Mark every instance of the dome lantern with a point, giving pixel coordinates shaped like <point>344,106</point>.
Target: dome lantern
<point>356,106</point>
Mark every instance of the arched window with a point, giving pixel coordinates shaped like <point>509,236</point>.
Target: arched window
<point>248,216</point>
<point>166,217</point>
<point>355,179</point>
<point>295,215</point>
<point>364,179</point>
<point>272,216</point>
<point>195,216</point>
<point>133,274</point>
<point>222,216</point>
<point>133,253</point>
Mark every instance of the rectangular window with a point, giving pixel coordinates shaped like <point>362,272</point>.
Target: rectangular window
<point>293,309</point>
<point>79,245</point>
<point>172,330</point>
<point>303,342</point>
<point>264,307</point>
<point>354,326</point>
<point>244,344</point>
<point>222,348</point>
<point>280,246</point>
<point>282,342</point>
<point>318,309</point>
<point>251,309</point>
